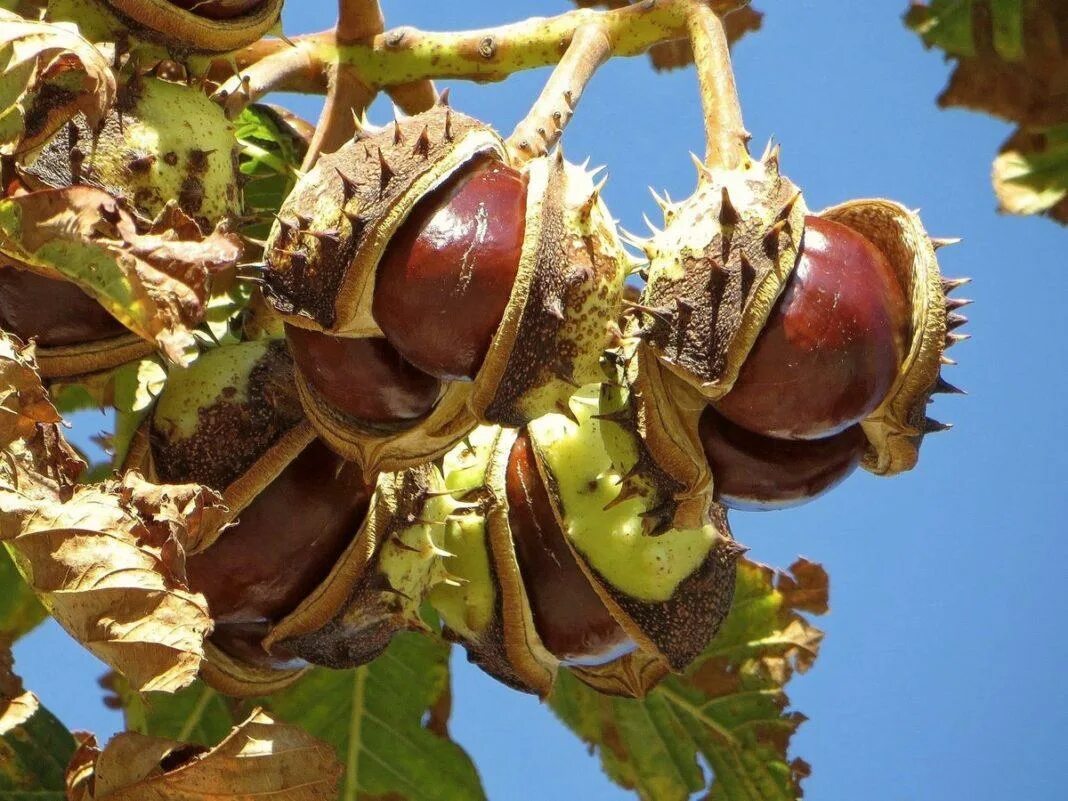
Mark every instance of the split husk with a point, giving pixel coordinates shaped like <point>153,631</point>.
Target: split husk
<point>896,429</point>
<point>324,251</point>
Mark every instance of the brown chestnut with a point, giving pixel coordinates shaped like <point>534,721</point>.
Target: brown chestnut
<point>444,281</point>
<point>285,542</point>
<point>365,378</point>
<point>54,312</point>
<point>571,619</point>
<point>752,472</point>
<point>832,346</point>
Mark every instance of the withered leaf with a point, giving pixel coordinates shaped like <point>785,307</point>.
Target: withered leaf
<point>108,559</point>
<point>154,278</point>
<point>678,53</point>
<point>1011,62</point>
<point>23,400</point>
<point>1031,173</point>
<point>48,73</point>
<point>34,746</point>
<point>258,759</point>
<point>729,709</point>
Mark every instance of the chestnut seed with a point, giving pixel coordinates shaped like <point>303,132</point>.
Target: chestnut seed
<point>244,642</point>
<point>445,278</point>
<point>832,346</point>
<point>753,473</point>
<point>365,378</point>
<point>55,312</point>
<point>571,620</point>
<point>285,542</point>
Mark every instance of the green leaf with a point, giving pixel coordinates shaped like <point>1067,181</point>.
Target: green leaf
<point>271,151</point>
<point>198,714</point>
<point>35,747</point>
<point>20,611</point>
<point>729,710</point>
<point>374,717</point>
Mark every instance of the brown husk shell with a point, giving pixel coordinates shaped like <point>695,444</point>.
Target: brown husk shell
<point>323,252</point>
<point>382,449</point>
<point>665,411</point>
<point>91,357</point>
<point>568,285</point>
<point>173,26</point>
<point>896,429</point>
<point>717,269</point>
<point>630,676</point>
<point>240,679</point>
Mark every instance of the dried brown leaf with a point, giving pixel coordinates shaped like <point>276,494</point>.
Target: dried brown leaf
<point>23,401</point>
<point>154,278</point>
<point>48,73</point>
<point>259,759</point>
<point>108,559</point>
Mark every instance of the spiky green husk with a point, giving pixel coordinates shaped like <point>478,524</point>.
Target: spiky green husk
<point>165,141</point>
<point>230,421</point>
<point>378,585</point>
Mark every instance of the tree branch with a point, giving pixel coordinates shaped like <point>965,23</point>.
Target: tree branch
<point>726,137</point>
<point>541,128</point>
<point>407,55</point>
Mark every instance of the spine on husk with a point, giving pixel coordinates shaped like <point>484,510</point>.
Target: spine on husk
<point>332,232</point>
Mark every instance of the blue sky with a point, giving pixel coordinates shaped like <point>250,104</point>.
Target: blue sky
<point>941,673</point>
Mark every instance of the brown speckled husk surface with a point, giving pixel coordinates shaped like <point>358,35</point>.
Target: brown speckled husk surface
<point>355,199</point>
<point>717,269</point>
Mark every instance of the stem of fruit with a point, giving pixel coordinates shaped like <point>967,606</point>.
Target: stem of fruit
<point>726,136</point>
<point>348,95</point>
<point>265,76</point>
<point>541,128</point>
<point>404,55</point>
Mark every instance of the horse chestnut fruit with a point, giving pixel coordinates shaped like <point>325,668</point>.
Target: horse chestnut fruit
<point>446,277</point>
<point>52,311</point>
<point>757,473</point>
<point>365,378</point>
<point>285,542</point>
<point>832,346</point>
<point>572,621</point>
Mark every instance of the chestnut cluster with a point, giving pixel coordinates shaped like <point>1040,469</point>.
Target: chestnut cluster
<point>444,397</point>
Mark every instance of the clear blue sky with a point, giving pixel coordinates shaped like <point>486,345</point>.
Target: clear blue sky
<point>941,676</point>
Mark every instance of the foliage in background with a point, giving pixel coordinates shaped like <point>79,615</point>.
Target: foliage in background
<point>728,711</point>
<point>1011,62</point>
